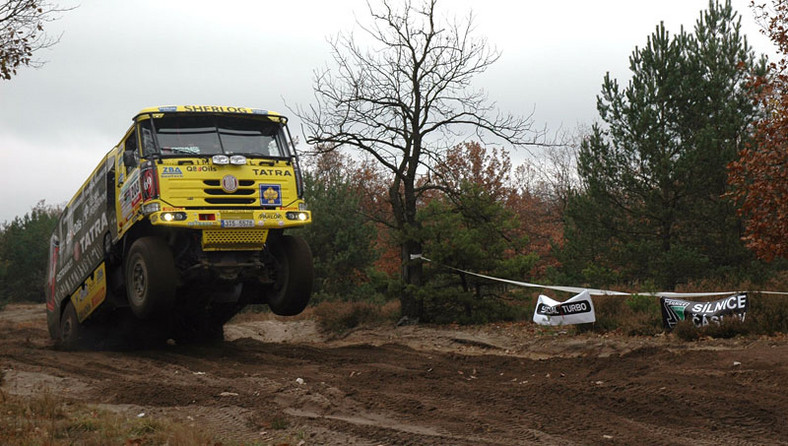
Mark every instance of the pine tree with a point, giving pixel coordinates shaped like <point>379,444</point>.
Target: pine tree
<point>654,173</point>
<point>341,238</point>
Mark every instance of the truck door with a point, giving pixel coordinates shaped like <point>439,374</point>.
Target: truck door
<point>128,192</point>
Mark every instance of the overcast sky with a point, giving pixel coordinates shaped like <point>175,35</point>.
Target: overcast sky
<point>119,56</point>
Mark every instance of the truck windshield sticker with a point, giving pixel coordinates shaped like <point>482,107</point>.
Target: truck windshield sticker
<point>194,150</point>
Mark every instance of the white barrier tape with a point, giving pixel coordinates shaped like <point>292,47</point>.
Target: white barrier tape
<point>593,291</point>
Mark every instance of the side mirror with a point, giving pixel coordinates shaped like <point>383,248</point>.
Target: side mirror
<point>131,158</point>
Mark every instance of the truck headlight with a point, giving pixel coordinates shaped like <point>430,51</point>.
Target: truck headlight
<point>221,160</point>
<point>173,216</point>
<point>238,160</point>
<point>300,216</point>
<point>150,208</point>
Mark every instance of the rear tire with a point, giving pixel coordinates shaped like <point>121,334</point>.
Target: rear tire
<point>294,275</point>
<point>150,277</point>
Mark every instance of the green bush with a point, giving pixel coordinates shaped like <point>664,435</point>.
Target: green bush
<point>450,305</point>
<point>24,250</point>
<point>642,304</point>
<point>373,289</point>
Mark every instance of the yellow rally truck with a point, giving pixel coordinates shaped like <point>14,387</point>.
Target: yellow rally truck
<point>180,226</point>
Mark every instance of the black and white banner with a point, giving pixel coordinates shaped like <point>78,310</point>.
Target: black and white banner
<point>577,310</point>
<point>703,313</point>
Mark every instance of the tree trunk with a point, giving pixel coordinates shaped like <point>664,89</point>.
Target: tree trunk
<point>411,305</point>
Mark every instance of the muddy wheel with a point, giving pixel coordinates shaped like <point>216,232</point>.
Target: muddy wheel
<point>150,277</point>
<point>71,331</point>
<point>294,275</point>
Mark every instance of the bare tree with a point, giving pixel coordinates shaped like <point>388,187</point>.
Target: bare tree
<point>401,100</point>
<point>552,175</point>
<point>22,33</point>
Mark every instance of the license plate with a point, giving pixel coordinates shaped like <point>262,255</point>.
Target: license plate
<point>238,223</point>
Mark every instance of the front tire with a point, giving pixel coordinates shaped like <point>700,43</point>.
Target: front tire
<point>294,275</point>
<point>150,277</point>
<point>71,331</point>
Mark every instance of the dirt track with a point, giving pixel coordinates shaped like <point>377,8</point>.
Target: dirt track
<point>282,382</point>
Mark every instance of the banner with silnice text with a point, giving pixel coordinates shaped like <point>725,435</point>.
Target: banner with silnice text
<point>577,310</point>
<point>703,313</point>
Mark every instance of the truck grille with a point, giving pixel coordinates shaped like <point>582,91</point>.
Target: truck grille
<point>234,239</point>
<point>245,195</point>
<point>231,200</point>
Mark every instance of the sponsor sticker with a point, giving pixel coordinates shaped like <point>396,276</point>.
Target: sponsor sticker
<point>91,294</point>
<point>219,109</point>
<point>270,194</point>
<point>229,183</point>
<point>201,169</point>
<point>171,172</point>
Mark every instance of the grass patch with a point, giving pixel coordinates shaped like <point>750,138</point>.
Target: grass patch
<point>632,315</point>
<point>45,419</point>
<point>729,328</point>
<point>339,317</point>
<point>767,315</point>
<point>640,315</point>
<point>635,315</point>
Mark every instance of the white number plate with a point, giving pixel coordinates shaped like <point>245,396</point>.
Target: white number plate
<point>238,223</point>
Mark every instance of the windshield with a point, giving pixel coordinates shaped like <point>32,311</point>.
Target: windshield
<point>213,134</point>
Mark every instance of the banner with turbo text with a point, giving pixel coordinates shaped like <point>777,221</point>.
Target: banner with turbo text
<point>577,310</point>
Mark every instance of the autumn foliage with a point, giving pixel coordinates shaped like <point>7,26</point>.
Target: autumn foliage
<point>759,178</point>
<point>22,33</point>
<point>539,216</point>
<point>474,214</point>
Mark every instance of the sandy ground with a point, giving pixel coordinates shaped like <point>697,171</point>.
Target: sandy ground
<point>283,382</point>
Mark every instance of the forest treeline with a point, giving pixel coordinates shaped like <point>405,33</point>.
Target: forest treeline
<point>681,184</point>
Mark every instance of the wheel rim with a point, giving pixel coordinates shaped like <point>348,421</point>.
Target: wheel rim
<point>65,330</point>
<point>138,282</point>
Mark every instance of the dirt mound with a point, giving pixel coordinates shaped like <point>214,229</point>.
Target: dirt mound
<point>284,382</point>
